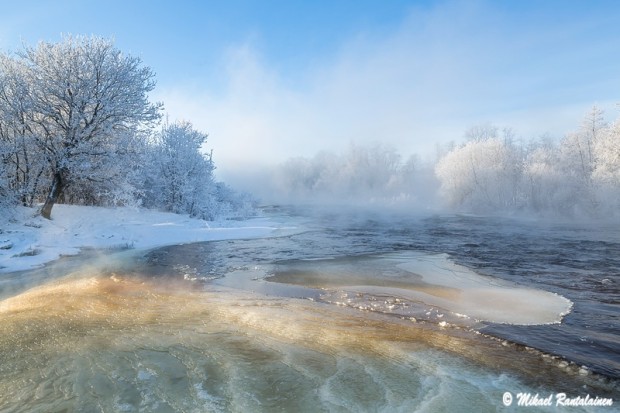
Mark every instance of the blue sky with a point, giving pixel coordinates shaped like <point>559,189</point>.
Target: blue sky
<point>270,80</point>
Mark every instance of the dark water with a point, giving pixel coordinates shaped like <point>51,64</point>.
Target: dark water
<point>577,261</point>
<point>354,312</point>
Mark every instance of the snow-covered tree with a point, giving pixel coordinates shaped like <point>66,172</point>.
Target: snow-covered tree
<point>482,132</point>
<point>543,184</point>
<point>23,163</point>
<point>484,175</point>
<point>76,126</point>
<point>6,195</point>
<point>370,169</point>
<point>85,101</point>
<point>577,160</point>
<point>606,154</point>
<point>178,177</point>
<point>362,173</point>
<point>228,203</point>
<point>606,171</point>
<point>580,174</point>
<point>181,176</point>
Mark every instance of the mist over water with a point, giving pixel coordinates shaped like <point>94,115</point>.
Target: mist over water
<point>284,324</point>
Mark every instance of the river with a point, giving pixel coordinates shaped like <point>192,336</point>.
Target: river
<point>356,311</point>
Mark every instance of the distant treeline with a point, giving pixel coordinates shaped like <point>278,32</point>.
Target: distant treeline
<point>491,172</point>
<point>577,175</point>
<point>363,174</point>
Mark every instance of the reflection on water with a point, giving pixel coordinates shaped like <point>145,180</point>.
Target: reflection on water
<point>101,342</point>
<point>333,319</point>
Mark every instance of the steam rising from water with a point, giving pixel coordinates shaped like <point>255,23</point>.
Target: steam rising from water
<point>110,342</point>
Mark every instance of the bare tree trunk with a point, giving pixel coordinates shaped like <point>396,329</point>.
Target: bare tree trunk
<point>58,186</point>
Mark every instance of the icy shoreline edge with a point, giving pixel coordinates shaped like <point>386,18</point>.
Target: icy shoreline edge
<point>28,241</point>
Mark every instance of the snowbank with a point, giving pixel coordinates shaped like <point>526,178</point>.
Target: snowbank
<point>29,241</point>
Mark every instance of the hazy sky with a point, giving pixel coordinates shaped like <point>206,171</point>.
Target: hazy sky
<point>273,79</point>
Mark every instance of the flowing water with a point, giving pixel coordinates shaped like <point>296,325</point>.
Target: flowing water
<point>354,312</point>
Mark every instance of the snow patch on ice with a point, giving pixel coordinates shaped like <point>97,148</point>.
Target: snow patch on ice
<point>482,297</point>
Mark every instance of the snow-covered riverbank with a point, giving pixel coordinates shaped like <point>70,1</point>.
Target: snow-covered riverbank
<point>28,240</point>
